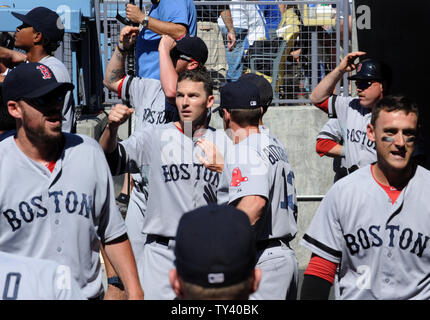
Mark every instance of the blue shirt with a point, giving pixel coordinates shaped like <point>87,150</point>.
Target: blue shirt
<point>177,11</point>
<point>272,15</point>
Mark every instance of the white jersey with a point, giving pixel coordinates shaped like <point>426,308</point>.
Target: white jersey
<point>359,150</point>
<point>63,215</point>
<point>178,182</point>
<point>23,278</point>
<point>62,75</point>
<point>382,249</point>
<point>258,165</point>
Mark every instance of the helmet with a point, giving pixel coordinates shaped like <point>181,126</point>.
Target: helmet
<point>368,69</point>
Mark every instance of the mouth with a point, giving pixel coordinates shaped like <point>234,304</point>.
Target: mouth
<point>400,154</point>
<point>54,120</point>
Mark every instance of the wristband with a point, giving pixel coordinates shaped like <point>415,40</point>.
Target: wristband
<point>115,281</point>
<point>123,51</point>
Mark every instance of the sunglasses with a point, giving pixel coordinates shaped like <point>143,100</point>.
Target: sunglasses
<point>363,85</point>
<point>45,101</point>
<point>176,55</point>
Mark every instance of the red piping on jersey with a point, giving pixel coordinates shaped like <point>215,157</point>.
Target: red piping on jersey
<point>392,192</point>
<point>323,146</point>
<point>51,165</point>
<point>120,87</point>
<point>321,268</point>
<point>323,105</point>
<point>179,128</point>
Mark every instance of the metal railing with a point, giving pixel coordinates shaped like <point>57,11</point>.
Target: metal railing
<point>294,49</point>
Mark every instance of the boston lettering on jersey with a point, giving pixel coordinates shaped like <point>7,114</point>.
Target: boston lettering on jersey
<point>358,136</point>
<point>158,117</point>
<point>275,153</point>
<point>175,172</point>
<point>70,202</point>
<point>406,239</point>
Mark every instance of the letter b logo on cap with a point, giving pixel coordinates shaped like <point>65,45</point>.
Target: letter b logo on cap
<point>45,72</point>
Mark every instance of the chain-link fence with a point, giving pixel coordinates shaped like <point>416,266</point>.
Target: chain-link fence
<point>293,44</point>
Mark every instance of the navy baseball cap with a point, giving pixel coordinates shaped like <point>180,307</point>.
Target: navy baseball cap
<point>264,86</point>
<point>241,94</point>
<point>193,47</point>
<point>44,20</point>
<point>368,69</point>
<point>215,246</point>
<point>31,80</point>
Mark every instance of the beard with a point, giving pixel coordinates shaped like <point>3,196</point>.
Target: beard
<point>40,136</point>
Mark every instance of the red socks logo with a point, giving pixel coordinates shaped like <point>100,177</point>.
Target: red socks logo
<point>237,178</point>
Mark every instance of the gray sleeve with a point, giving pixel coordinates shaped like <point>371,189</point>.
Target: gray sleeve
<point>135,150</point>
<point>338,107</point>
<point>249,177</point>
<point>324,235</point>
<point>331,130</point>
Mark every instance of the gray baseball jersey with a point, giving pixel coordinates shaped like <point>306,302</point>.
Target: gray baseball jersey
<point>258,165</point>
<point>63,215</point>
<point>23,278</point>
<point>354,118</point>
<point>149,102</point>
<point>333,130</point>
<point>62,75</point>
<point>382,247</point>
<point>168,157</point>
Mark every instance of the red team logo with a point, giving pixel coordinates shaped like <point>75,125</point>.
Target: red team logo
<point>237,178</point>
<point>45,72</point>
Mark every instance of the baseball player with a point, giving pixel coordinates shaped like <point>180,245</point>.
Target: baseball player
<point>372,227</point>
<point>330,143</point>
<point>215,255</point>
<point>148,98</point>
<point>353,113</point>
<point>40,34</point>
<point>46,212</point>
<point>24,278</point>
<point>177,181</point>
<point>260,182</point>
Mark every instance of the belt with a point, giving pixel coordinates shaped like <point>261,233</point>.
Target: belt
<point>273,242</point>
<point>159,239</point>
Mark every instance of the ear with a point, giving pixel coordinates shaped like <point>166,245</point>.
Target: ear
<point>256,279</point>
<point>192,65</point>
<point>14,109</point>
<point>175,282</point>
<point>210,101</point>
<point>37,37</point>
<point>371,132</point>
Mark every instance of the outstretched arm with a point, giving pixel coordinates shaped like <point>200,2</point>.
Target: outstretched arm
<point>175,30</point>
<point>325,88</point>
<point>115,70</point>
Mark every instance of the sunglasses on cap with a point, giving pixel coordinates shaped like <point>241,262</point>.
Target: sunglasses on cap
<point>176,55</point>
<point>363,85</point>
<point>46,101</point>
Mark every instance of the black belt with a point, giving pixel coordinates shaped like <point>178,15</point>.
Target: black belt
<point>159,239</point>
<point>274,242</point>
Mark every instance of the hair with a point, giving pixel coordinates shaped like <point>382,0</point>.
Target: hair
<point>392,103</point>
<point>244,117</point>
<point>48,45</point>
<point>239,291</point>
<point>198,75</point>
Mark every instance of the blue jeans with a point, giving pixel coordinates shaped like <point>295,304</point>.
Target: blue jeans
<point>234,58</point>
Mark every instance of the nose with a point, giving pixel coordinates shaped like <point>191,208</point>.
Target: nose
<point>399,139</point>
<point>185,101</point>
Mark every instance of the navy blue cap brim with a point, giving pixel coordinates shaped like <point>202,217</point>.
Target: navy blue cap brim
<point>40,92</point>
<point>363,77</point>
<point>21,17</point>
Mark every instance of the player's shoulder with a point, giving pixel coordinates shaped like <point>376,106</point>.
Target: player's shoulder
<point>81,142</point>
<point>355,180</point>
<point>422,174</point>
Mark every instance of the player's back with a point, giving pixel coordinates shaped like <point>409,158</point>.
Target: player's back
<point>23,278</point>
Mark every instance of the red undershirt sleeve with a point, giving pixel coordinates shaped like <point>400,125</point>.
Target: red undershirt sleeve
<point>321,268</point>
<point>324,145</point>
<point>323,105</point>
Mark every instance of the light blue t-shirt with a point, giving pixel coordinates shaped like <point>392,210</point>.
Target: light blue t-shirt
<point>178,11</point>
